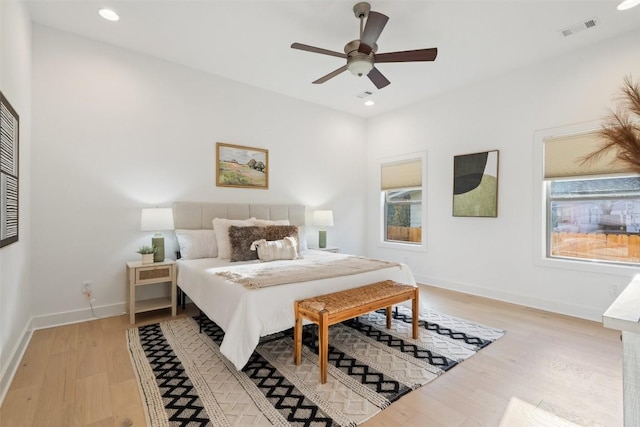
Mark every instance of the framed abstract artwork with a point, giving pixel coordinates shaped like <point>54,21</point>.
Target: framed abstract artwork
<point>9,138</point>
<point>475,184</point>
<point>242,167</point>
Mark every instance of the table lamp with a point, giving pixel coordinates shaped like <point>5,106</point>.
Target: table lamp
<point>157,219</point>
<point>322,219</point>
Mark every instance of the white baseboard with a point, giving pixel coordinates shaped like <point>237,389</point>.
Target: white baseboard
<point>49,321</point>
<point>9,371</point>
<point>588,313</point>
<point>77,316</point>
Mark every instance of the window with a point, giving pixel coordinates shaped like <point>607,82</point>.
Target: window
<point>593,209</point>
<point>402,199</point>
<point>403,215</point>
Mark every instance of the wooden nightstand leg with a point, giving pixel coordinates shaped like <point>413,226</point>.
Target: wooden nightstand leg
<point>323,350</point>
<point>132,304</point>
<point>174,291</point>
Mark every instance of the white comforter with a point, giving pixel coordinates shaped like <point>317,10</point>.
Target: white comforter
<point>247,314</point>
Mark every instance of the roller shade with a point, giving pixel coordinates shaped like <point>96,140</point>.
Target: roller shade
<point>404,174</point>
<point>563,156</point>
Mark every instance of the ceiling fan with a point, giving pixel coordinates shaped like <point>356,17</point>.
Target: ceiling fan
<point>361,54</point>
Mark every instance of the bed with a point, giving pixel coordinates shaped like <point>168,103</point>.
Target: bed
<point>248,314</point>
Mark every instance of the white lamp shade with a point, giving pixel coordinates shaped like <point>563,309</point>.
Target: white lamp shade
<point>156,219</point>
<point>323,218</point>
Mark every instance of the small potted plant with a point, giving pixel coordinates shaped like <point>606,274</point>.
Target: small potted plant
<point>147,253</point>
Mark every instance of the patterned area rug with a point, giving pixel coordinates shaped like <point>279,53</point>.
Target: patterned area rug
<point>185,381</point>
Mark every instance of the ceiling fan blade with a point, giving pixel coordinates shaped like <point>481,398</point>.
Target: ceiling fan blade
<point>408,55</point>
<point>377,78</point>
<point>374,26</point>
<point>314,49</point>
<point>331,75</point>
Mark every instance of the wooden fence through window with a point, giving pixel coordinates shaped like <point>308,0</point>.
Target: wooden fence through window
<point>405,234</point>
<point>610,247</point>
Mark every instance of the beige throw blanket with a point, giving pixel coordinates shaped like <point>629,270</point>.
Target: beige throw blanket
<point>271,274</point>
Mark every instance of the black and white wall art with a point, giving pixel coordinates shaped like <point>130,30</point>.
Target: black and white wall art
<point>475,184</point>
<point>9,139</point>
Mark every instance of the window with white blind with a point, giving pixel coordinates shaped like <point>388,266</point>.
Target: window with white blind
<point>402,199</point>
<point>592,209</point>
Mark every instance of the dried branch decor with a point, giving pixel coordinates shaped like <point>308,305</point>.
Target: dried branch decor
<point>621,131</point>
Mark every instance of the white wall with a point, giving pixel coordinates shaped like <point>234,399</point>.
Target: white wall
<point>15,84</point>
<point>115,131</point>
<point>495,257</point>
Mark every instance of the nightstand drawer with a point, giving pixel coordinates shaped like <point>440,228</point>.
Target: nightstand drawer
<point>153,274</point>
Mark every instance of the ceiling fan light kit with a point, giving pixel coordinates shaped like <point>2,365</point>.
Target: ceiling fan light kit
<point>361,53</point>
<point>359,66</point>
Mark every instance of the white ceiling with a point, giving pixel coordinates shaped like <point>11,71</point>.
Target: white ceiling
<point>249,41</point>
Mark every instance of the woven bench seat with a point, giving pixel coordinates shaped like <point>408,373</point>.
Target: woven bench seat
<point>336,307</point>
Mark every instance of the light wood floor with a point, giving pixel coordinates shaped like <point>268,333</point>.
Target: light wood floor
<point>547,371</point>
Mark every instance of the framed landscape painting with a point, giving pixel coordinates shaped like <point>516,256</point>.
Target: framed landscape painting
<point>475,184</point>
<point>242,167</point>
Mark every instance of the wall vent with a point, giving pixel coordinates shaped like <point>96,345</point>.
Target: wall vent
<point>581,26</point>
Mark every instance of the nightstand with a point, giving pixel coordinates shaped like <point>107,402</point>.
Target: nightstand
<point>140,274</point>
<point>333,249</point>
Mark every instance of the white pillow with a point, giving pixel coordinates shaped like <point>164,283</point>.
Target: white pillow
<point>276,249</point>
<point>221,228</point>
<point>266,222</point>
<point>196,244</point>
<point>302,239</point>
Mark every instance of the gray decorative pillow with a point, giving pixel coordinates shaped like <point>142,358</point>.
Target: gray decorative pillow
<point>242,237</point>
<point>279,232</point>
<point>221,228</point>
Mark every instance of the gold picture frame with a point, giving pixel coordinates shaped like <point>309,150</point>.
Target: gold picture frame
<point>242,167</point>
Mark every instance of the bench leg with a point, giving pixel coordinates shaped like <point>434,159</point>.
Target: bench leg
<point>416,311</point>
<point>323,344</point>
<point>297,335</point>
<point>388,310</point>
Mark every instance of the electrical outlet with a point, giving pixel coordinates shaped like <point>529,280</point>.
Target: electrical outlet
<point>613,290</point>
<point>86,287</point>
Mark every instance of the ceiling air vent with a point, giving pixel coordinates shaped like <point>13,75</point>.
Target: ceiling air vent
<point>584,25</point>
<point>364,94</point>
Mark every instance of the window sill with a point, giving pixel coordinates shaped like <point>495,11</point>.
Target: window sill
<point>403,246</point>
<point>588,266</point>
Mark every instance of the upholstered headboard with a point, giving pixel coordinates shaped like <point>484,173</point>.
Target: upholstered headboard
<point>200,215</point>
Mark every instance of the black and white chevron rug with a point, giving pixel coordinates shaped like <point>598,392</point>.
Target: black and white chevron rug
<point>184,380</point>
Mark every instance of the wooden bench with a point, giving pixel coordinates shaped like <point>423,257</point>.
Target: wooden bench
<point>329,309</point>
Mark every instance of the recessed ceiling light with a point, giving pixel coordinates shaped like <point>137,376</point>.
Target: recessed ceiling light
<point>628,4</point>
<point>108,14</point>
<point>369,103</point>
